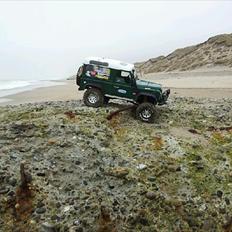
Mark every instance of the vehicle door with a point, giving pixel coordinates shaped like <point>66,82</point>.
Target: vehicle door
<point>122,84</point>
<point>99,76</point>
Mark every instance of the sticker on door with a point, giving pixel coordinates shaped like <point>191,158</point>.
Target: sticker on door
<point>122,91</point>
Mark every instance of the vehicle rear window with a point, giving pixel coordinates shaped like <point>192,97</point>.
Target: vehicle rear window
<point>89,67</point>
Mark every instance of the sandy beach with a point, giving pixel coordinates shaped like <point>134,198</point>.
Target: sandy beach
<point>187,84</point>
<point>68,91</point>
<point>201,78</point>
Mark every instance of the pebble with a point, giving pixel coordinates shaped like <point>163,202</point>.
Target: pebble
<point>151,178</point>
<point>79,229</point>
<point>41,174</point>
<point>67,208</point>
<point>219,193</point>
<point>12,182</point>
<point>40,204</point>
<point>4,190</point>
<point>41,210</point>
<point>151,195</point>
<point>141,166</point>
<point>47,227</point>
<point>227,200</point>
<point>119,172</point>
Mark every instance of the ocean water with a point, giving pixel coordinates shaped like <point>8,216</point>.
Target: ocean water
<point>9,87</point>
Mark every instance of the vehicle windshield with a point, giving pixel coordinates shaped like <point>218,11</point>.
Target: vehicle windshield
<point>135,75</point>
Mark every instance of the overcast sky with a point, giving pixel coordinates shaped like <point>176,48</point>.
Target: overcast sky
<point>49,39</point>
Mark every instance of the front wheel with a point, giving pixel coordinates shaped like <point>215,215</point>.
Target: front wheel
<point>93,97</point>
<point>145,112</point>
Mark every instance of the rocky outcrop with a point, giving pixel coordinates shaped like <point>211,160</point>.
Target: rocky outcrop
<point>216,51</point>
<point>88,173</point>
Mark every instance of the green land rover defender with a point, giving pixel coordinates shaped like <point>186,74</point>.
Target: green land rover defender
<point>106,79</point>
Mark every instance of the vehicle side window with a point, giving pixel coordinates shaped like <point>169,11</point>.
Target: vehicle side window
<point>123,77</point>
<point>102,72</point>
<point>89,68</point>
<point>98,72</point>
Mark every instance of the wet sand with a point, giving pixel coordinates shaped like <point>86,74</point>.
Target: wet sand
<point>69,91</point>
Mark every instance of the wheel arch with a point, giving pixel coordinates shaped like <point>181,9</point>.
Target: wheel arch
<point>88,86</point>
<point>147,97</point>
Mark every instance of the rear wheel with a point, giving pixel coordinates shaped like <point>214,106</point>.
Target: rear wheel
<point>78,76</point>
<point>145,112</point>
<point>93,97</point>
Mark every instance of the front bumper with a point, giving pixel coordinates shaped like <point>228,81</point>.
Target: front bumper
<point>165,96</point>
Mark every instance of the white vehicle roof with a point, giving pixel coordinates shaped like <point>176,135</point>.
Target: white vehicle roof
<point>114,64</point>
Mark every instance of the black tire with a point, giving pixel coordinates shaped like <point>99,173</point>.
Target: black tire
<point>145,112</point>
<point>106,100</point>
<point>78,76</point>
<point>93,97</point>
